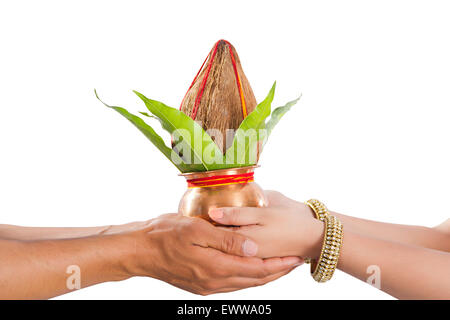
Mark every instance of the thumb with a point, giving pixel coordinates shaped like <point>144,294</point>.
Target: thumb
<point>232,243</point>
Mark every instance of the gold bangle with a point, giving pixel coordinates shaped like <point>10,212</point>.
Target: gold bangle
<point>319,209</point>
<point>323,270</point>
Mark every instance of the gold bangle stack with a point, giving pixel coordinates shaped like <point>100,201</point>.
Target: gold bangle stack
<point>319,209</point>
<point>323,269</point>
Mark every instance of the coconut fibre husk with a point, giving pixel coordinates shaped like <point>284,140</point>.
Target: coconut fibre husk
<point>220,96</point>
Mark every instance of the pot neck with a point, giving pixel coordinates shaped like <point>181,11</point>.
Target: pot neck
<point>220,177</point>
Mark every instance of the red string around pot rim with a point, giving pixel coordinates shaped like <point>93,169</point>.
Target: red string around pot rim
<point>221,180</point>
<point>199,95</point>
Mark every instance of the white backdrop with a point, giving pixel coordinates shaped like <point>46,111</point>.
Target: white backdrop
<point>369,137</point>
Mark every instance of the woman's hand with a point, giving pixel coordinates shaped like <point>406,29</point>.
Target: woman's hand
<point>285,228</point>
<point>192,254</point>
<point>401,253</point>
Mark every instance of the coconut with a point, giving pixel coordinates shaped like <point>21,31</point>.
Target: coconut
<point>220,96</point>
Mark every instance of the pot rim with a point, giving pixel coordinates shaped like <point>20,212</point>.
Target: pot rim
<point>212,173</point>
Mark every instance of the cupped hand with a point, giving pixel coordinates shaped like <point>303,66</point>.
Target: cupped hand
<point>192,254</point>
<point>284,228</point>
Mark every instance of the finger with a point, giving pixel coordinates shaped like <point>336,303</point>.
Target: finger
<point>238,228</point>
<point>229,228</point>
<point>228,242</point>
<point>239,283</point>
<point>238,216</point>
<point>251,267</point>
<point>274,265</point>
<point>262,281</point>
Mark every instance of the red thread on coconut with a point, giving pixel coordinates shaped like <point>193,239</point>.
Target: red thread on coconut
<point>195,78</point>
<point>198,98</point>
<point>205,78</point>
<point>238,82</point>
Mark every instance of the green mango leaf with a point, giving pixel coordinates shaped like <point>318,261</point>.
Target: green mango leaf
<point>197,146</point>
<point>176,142</point>
<point>147,115</point>
<point>193,150</point>
<point>153,117</point>
<point>244,149</point>
<point>151,135</point>
<point>277,114</point>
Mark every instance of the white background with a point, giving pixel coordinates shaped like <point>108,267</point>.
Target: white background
<point>369,137</point>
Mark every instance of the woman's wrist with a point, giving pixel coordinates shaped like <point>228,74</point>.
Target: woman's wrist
<point>315,239</point>
<point>310,243</point>
<point>307,210</point>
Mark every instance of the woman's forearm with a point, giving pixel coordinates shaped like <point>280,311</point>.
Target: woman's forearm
<point>47,268</point>
<point>406,271</point>
<point>432,238</point>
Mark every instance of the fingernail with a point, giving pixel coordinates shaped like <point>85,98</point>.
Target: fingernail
<point>250,248</point>
<point>216,213</point>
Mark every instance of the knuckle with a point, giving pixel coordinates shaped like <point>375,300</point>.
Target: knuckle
<point>263,273</point>
<point>182,232</point>
<point>198,225</point>
<point>208,286</point>
<point>229,243</point>
<point>233,213</point>
<point>198,275</point>
<point>192,223</point>
<point>221,272</point>
<point>188,228</point>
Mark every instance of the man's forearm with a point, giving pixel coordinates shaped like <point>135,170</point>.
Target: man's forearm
<point>414,235</point>
<point>47,268</point>
<point>12,232</point>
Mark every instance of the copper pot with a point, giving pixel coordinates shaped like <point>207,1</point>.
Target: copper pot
<point>237,190</point>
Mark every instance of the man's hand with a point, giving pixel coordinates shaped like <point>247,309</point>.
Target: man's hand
<point>189,253</point>
<point>193,255</point>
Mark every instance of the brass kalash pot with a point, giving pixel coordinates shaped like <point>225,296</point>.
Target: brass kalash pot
<point>220,188</point>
